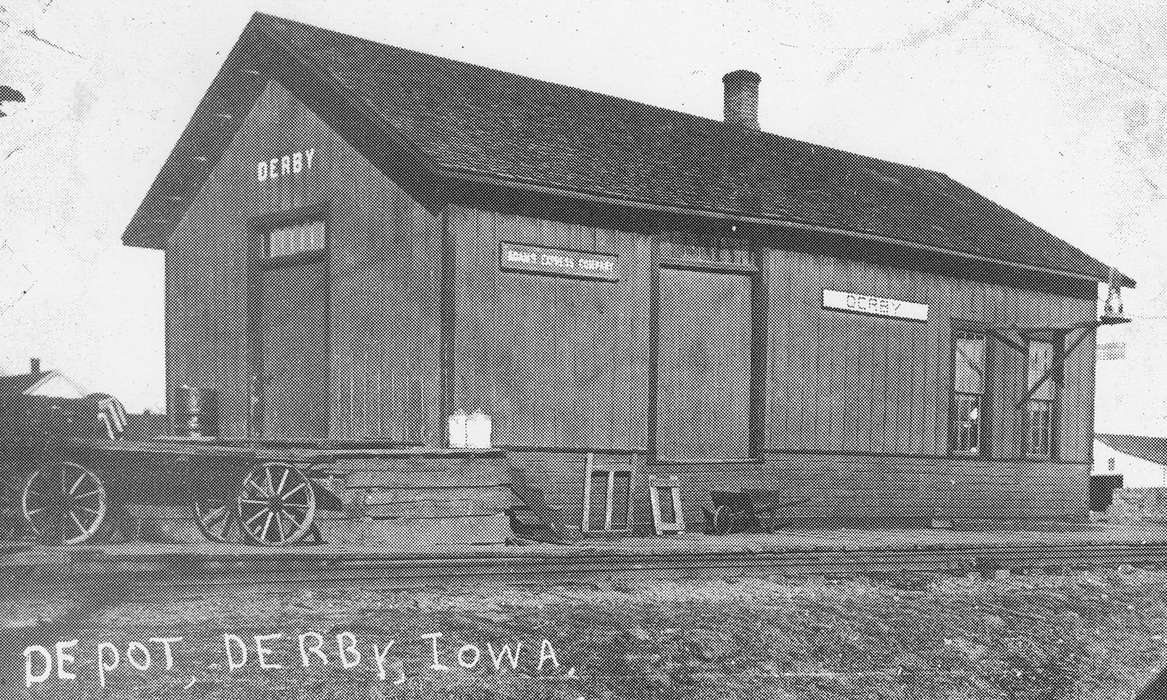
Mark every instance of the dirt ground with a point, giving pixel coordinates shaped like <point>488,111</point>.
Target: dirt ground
<point>1099,634</point>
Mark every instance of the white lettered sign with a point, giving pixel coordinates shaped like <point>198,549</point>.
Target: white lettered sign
<point>291,164</point>
<point>553,261</point>
<point>878,306</point>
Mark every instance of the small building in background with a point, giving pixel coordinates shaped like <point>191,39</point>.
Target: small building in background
<point>1129,478</point>
<point>1140,460</point>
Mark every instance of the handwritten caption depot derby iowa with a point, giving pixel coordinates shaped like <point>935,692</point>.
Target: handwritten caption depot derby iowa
<point>66,660</point>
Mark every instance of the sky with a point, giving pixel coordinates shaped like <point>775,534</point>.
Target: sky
<point>1054,109</point>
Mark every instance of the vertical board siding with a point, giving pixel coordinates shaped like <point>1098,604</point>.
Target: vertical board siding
<point>556,361</point>
<point>386,334</point>
<point>703,382</point>
<point>383,316</point>
<point>843,382</point>
<point>563,363</point>
<point>1076,425</point>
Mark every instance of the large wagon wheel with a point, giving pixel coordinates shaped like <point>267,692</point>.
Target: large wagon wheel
<point>64,501</point>
<point>217,517</point>
<point>276,504</point>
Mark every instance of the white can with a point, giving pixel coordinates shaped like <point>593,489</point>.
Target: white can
<point>457,427</point>
<point>478,431</point>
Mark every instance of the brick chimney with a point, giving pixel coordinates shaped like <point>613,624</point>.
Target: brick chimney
<point>34,365</point>
<point>741,98</point>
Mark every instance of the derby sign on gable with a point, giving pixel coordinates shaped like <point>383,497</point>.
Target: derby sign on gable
<point>291,164</point>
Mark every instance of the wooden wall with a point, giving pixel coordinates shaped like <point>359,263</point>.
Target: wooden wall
<point>383,314</point>
<point>844,382</point>
<point>922,488</point>
<point>839,488</point>
<point>856,407</point>
<point>552,358</point>
<point>558,363</point>
<point>564,366</point>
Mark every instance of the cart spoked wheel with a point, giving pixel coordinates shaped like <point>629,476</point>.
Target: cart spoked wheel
<point>217,518</point>
<point>276,504</point>
<point>64,502</point>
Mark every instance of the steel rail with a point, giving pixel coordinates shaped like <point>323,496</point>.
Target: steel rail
<point>305,567</point>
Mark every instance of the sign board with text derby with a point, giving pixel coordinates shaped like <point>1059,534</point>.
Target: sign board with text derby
<point>876,306</point>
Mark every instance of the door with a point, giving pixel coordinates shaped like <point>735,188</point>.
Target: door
<point>293,349</point>
<point>704,368</point>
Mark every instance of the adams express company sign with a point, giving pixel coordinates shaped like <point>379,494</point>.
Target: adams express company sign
<point>565,263</point>
<point>877,306</point>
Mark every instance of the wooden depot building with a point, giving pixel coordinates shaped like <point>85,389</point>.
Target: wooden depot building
<point>362,241</point>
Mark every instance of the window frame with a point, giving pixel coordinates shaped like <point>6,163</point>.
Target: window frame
<point>984,432</point>
<point>263,226</point>
<point>609,499</point>
<point>666,490</point>
<point>1053,404</point>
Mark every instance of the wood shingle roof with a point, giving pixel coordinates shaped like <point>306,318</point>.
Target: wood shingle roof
<point>462,121</point>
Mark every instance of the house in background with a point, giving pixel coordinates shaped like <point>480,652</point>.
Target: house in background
<point>1140,460</point>
<point>1129,477</point>
<point>363,241</point>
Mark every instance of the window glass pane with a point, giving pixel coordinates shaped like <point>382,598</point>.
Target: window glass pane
<point>1039,442</point>
<point>967,423</point>
<point>970,364</point>
<point>1041,359</point>
<point>297,238</point>
<point>705,248</point>
<point>598,500</point>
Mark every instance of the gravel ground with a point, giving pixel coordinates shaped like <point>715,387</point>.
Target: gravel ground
<point>1098,634</point>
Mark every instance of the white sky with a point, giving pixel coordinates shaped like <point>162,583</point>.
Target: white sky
<point>1055,109</point>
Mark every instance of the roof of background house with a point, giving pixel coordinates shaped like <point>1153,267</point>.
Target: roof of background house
<point>473,123</point>
<point>1152,449</point>
<point>19,383</point>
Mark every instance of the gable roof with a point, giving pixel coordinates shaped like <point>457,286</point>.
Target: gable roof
<point>1152,449</point>
<point>14,384</point>
<point>460,122</point>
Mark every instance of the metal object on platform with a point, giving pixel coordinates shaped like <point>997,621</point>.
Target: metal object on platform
<point>478,431</point>
<point>457,430</point>
<point>194,413</point>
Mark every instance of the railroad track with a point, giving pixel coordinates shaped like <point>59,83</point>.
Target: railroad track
<point>311,566</point>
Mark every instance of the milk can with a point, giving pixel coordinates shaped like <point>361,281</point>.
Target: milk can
<point>478,431</point>
<point>194,412</point>
<point>457,428</point>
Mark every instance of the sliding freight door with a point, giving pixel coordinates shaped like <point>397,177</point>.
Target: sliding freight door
<point>704,366</point>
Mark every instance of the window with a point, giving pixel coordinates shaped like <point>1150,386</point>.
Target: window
<point>296,238</point>
<point>968,392</point>
<point>1039,412</point>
